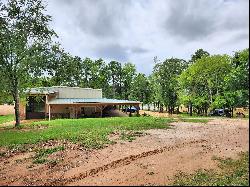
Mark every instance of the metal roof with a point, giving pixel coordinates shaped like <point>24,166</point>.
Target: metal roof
<point>40,90</point>
<point>51,90</point>
<point>89,100</point>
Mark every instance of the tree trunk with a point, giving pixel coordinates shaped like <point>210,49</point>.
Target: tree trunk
<point>191,109</point>
<point>161,108</point>
<point>17,108</point>
<point>211,96</point>
<point>178,110</point>
<point>142,106</point>
<point>206,109</point>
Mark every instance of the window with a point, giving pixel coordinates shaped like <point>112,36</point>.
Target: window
<point>36,104</point>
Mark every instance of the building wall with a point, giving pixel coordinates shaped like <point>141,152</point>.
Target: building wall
<point>66,108</point>
<point>75,92</point>
<point>73,111</point>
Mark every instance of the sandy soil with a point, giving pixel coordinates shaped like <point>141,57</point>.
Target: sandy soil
<point>152,159</point>
<point>6,109</point>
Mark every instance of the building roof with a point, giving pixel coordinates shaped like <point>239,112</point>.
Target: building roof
<point>51,90</point>
<point>41,90</point>
<point>90,100</point>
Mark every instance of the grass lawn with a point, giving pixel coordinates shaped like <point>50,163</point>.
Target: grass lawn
<point>90,132</point>
<point>232,173</point>
<point>6,118</point>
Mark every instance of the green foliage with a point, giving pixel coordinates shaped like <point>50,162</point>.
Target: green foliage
<point>128,75</point>
<point>25,39</point>
<point>141,89</point>
<point>236,89</point>
<point>115,70</point>
<point>232,173</point>
<point>165,75</point>
<point>6,118</point>
<point>90,132</point>
<point>198,55</point>
<point>203,81</point>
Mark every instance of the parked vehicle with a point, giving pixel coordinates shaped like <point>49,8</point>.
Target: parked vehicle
<point>132,109</point>
<point>220,112</point>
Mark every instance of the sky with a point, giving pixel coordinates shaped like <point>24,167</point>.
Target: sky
<point>138,30</point>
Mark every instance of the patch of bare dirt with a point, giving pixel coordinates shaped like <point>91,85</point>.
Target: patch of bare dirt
<point>6,109</point>
<point>23,122</point>
<point>152,159</point>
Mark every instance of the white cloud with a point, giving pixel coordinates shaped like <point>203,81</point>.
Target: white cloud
<point>136,31</point>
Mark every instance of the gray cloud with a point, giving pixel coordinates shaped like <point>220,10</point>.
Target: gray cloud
<point>195,20</point>
<point>101,18</point>
<point>187,20</point>
<point>138,50</point>
<point>136,31</point>
<point>118,52</point>
<point>113,52</point>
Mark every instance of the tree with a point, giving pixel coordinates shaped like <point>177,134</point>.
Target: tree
<point>100,76</point>
<point>64,69</point>
<point>24,39</point>
<point>128,75</point>
<point>115,71</point>
<point>236,87</point>
<point>167,73</point>
<point>198,55</point>
<point>141,90</point>
<point>203,81</point>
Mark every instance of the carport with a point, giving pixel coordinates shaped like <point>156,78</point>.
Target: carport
<point>82,107</point>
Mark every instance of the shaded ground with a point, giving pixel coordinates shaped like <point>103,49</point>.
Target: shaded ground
<point>152,159</point>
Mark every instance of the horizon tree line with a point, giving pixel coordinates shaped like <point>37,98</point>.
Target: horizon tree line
<point>29,57</point>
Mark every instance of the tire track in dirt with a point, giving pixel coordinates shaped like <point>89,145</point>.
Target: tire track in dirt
<point>118,163</point>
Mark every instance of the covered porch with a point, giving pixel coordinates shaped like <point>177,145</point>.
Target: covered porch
<point>82,108</point>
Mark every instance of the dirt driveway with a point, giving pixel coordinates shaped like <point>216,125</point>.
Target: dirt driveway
<point>152,159</point>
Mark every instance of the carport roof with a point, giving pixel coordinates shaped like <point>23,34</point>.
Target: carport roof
<point>59,101</point>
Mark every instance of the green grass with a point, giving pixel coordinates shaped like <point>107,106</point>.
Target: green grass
<point>6,118</point>
<point>195,120</point>
<point>41,155</point>
<point>232,173</point>
<point>90,132</point>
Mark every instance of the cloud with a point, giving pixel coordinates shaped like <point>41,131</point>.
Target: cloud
<point>191,20</point>
<point>136,31</point>
<point>101,18</point>
<point>112,52</point>
<point>118,52</point>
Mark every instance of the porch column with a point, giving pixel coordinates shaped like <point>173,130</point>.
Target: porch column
<point>137,111</point>
<point>49,112</point>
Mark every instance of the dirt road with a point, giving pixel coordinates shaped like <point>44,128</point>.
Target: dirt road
<point>152,159</point>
